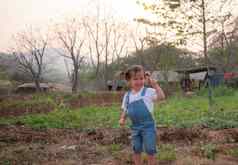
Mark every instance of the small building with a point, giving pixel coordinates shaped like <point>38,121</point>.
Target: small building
<point>119,82</point>
<point>169,80</point>
<point>231,75</point>
<point>165,76</point>
<point>231,79</point>
<point>193,78</point>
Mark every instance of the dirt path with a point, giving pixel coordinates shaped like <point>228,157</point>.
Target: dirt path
<point>22,145</point>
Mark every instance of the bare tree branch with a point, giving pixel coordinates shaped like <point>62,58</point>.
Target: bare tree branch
<point>71,36</point>
<point>29,50</point>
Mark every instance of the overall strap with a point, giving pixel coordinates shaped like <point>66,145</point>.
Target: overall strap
<point>143,91</point>
<point>127,99</point>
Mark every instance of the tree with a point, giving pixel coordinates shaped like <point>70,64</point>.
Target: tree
<point>94,43</point>
<point>168,58</point>
<point>120,42</point>
<point>29,50</point>
<point>222,45</point>
<point>167,27</point>
<point>194,17</point>
<point>204,18</point>
<point>107,41</point>
<point>138,38</point>
<point>71,35</point>
<point>99,35</point>
<point>191,19</point>
<point>166,30</point>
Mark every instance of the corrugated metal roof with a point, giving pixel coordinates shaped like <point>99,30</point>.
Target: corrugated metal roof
<point>160,76</point>
<point>32,85</point>
<point>198,76</point>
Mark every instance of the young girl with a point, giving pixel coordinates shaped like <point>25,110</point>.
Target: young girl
<point>138,106</point>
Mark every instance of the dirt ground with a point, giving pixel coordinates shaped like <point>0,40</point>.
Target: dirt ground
<point>20,145</point>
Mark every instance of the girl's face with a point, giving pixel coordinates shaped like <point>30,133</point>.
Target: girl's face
<point>137,81</point>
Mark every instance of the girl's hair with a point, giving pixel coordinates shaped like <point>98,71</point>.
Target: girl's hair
<point>130,72</point>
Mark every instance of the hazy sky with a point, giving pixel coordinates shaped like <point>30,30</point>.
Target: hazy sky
<point>16,14</point>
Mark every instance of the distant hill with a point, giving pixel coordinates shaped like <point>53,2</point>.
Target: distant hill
<point>55,70</point>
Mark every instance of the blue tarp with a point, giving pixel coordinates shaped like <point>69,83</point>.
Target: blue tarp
<point>216,79</point>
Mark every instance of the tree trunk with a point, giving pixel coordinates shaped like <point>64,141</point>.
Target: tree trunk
<point>37,84</point>
<point>205,51</point>
<point>75,80</point>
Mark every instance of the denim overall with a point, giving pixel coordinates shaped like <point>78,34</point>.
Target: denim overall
<point>143,125</point>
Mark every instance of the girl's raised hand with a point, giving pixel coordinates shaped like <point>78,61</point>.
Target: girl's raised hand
<point>152,82</point>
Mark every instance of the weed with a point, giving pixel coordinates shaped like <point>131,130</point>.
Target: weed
<point>209,151</point>
<point>166,153</point>
<point>233,152</point>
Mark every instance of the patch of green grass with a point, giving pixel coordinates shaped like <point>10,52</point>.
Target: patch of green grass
<point>57,119</point>
<point>233,152</point>
<point>188,112</point>
<point>84,118</point>
<point>209,151</point>
<point>26,104</point>
<point>104,117</point>
<point>114,149</point>
<point>219,91</point>
<point>176,111</point>
<point>166,153</point>
<point>34,101</point>
<point>5,162</point>
<point>3,74</point>
<point>8,121</point>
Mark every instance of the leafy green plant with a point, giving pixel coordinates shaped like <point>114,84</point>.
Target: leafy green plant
<point>209,151</point>
<point>5,162</point>
<point>114,148</point>
<point>233,152</point>
<point>166,152</point>
<point>176,111</point>
<point>219,91</point>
